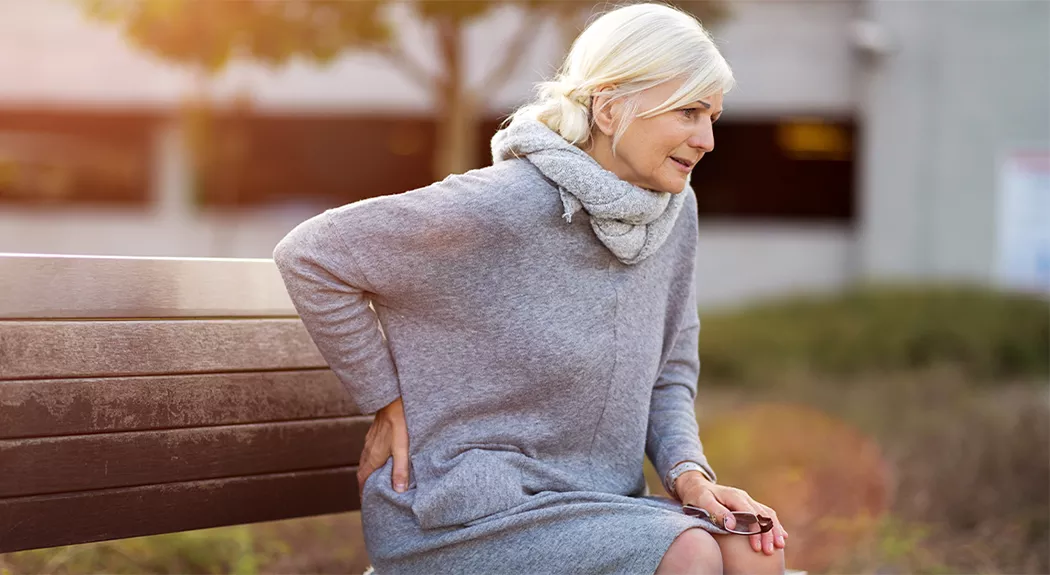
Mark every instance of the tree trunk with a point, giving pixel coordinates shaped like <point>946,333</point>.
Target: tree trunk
<point>458,118</point>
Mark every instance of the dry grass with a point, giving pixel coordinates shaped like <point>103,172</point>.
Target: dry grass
<point>929,472</point>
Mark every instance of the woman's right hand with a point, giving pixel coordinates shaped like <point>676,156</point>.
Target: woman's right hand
<point>387,436</point>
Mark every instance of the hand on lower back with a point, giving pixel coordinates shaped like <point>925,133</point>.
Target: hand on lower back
<point>388,436</point>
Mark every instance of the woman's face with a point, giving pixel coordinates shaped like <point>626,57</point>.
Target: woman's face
<point>658,153</point>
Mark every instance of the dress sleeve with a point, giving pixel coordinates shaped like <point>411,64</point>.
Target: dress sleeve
<point>331,294</point>
<point>398,252</point>
<point>673,434</point>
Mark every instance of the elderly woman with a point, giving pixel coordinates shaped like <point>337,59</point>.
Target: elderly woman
<point>526,333</point>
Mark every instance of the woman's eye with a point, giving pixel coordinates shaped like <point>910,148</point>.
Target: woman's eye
<point>688,112</point>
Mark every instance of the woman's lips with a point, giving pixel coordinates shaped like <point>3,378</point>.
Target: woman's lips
<point>681,165</point>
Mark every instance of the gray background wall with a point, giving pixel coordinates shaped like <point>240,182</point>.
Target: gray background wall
<point>966,80</point>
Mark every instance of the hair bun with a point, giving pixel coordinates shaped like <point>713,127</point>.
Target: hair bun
<point>570,91</point>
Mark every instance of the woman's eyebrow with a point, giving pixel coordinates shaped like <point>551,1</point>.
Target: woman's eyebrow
<point>706,104</point>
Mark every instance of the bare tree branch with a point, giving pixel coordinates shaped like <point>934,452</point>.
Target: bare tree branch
<point>515,50</point>
<point>415,72</point>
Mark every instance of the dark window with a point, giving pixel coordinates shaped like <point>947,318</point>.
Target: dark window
<point>61,158</point>
<point>50,158</point>
<point>782,170</point>
<point>332,159</point>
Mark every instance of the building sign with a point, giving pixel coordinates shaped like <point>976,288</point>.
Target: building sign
<point>1023,247</point>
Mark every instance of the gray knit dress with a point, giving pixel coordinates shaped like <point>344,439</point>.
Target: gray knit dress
<point>536,368</point>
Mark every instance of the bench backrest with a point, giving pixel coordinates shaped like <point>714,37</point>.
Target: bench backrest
<point>150,395</point>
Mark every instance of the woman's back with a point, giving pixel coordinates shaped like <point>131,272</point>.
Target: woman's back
<point>524,352</point>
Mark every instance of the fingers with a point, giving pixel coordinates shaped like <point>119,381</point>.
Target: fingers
<point>739,500</point>
<point>763,542</point>
<point>388,437</point>
<point>401,461</point>
<point>778,533</point>
<point>364,468</point>
<point>362,475</point>
<point>719,512</point>
<point>376,450</point>
<point>368,462</point>
<point>768,542</point>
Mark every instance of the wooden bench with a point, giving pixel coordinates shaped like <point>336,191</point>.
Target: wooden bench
<point>150,395</point>
<point>141,396</point>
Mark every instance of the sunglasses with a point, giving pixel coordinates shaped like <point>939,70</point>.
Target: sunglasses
<point>747,523</point>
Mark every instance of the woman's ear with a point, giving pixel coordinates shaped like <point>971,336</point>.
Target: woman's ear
<point>606,113</point>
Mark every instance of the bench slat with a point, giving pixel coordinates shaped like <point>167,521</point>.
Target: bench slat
<point>51,520</point>
<point>106,460</point>
<point>59,286</point>
<point>63,349</point>
<point>44,408</point>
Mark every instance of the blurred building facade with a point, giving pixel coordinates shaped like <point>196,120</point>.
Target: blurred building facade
<point>865,139</point>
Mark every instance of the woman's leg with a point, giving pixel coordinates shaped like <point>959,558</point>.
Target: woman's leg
<point>739,557</point>
<point>693,552</point>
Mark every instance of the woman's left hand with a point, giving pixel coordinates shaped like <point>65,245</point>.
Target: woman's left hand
<point>694,489</point>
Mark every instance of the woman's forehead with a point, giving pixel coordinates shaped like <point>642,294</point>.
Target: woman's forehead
<point>671,87</point>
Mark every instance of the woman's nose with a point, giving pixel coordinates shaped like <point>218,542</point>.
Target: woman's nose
<point>703,138</point>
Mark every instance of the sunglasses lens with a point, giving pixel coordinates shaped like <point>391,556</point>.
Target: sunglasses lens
<point>746,523</point>
<point>695,512</point>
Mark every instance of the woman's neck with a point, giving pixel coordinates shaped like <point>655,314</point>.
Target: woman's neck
<point>600,148</point>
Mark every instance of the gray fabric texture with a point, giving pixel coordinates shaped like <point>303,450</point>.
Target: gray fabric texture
<point>537,371</point>
<point>631,221</point>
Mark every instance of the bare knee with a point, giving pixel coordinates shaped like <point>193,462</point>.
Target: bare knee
<point>693,552</point>
<point>739,557</point>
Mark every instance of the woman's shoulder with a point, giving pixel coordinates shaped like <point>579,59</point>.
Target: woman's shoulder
<point>480,193</point>
<point>508,191</point>
<point>680,247</point>
<point>497,201</point>
<point>504,186</point>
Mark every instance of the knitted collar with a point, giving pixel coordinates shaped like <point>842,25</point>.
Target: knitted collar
<point>631,221</point>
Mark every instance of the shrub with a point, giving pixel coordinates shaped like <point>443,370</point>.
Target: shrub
<point>986,333</point>
<point>960,488</point>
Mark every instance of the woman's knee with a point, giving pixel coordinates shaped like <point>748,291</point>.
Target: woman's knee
<point>693,552</point>
<point>739,557</point>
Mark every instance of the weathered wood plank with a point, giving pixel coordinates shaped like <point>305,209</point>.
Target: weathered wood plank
<point>105,460</point>
<point>57,349</point>
<point>41,408</point>
<point>62,286</point>
<point>63,519</point>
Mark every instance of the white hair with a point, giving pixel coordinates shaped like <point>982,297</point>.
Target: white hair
<point>632,48</point>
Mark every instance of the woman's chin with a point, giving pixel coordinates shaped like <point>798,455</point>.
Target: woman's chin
<point>676,187</point>
<point>673,185</point>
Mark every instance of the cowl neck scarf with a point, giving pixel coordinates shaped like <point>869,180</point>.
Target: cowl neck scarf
<point>631,221</point>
